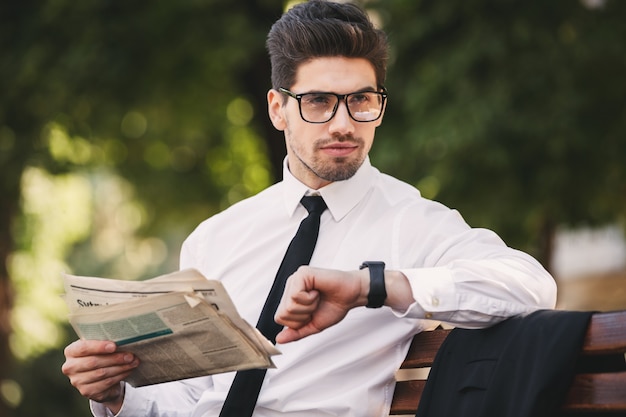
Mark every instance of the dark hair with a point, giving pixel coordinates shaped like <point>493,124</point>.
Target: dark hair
<point>319,28</point>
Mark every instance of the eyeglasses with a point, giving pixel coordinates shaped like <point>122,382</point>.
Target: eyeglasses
<point>363,106</point>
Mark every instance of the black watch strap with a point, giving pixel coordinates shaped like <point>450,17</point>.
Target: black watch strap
<point>377,294</point>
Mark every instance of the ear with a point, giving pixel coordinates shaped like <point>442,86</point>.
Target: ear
<point>276,109</point>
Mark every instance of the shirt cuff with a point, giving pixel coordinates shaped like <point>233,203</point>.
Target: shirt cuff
<point>99,410</point>
<point>433,291</point>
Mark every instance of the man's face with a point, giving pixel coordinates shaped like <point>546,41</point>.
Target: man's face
<point>319,154</point>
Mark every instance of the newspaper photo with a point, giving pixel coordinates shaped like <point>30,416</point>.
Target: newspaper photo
<point>179,325</point>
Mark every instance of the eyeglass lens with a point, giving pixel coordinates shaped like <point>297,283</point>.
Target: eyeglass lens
<point>321,107</point>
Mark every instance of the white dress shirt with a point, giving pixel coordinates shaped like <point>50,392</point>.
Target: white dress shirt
<point>463,276</point>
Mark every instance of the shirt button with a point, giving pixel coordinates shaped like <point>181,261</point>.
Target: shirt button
<point>429,315</point>
<point>435,301</point>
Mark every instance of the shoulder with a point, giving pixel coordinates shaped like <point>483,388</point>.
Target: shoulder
<point>395,188</point>
<point>398,192</point>
<point>240,213</point>
<point>406,200</point>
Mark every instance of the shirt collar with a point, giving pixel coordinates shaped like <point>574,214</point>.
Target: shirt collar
<point>340,196</point>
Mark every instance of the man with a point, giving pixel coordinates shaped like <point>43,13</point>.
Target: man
<point>328,71</point>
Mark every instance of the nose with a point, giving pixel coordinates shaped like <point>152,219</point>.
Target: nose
<point>341,121</point>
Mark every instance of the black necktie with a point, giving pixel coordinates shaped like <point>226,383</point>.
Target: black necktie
<point>244,391</point>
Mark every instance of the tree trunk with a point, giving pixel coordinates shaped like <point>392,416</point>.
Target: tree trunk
<point>256,80</point>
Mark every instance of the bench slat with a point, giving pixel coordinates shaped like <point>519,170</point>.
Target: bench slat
<point>597,392</point>
<point>424,348</point>
<point>406,397</point>
<point>606,333</point>
<point>589,392</point>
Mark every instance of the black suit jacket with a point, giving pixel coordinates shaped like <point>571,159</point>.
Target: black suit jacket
<point>521,367</point>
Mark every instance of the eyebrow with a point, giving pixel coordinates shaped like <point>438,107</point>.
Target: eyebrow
<point>361,90</point>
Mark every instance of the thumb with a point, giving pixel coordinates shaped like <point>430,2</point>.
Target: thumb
<point>287,335</point>
<point>291,335</point>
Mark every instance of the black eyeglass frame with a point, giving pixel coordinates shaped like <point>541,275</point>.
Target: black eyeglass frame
<point>340,97</point>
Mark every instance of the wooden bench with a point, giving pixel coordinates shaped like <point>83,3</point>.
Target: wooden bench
<point>598,388</point>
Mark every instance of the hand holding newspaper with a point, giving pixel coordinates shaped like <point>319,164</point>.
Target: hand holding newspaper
<point>180,325</point>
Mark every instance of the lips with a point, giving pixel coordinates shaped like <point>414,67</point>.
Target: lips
<point>339,148</point>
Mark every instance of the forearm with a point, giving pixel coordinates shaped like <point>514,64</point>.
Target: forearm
<point>475,293</point>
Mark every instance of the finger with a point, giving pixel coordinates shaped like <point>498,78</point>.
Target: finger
<point>306,298</point>
<point>82,364</point>
<point>297,311</point>
<point>298,303</point>
<point>81,348</point>
<point>294,321</point>
<point>107,366</point>
<point>105,377</point>
<point>294,308</point>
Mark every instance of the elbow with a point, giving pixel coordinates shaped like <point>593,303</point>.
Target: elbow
<point>546,293</point>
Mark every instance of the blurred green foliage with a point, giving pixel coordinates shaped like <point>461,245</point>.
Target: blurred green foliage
<point>513,112</point>
<point>124,124</point>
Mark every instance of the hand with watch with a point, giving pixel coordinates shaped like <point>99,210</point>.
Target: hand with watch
<point>316,298</point>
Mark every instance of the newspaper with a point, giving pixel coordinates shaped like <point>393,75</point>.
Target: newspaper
<point>180,325</point>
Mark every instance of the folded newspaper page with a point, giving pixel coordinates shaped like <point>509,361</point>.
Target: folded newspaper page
<point>180,325</point>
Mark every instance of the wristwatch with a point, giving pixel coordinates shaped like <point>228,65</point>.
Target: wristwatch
<point>377,294</point>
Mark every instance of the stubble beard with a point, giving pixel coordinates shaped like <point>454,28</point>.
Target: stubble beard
<point>337,168</point>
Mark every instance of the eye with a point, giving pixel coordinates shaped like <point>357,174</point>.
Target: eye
<point>314,99</point>
<point>357,99</point>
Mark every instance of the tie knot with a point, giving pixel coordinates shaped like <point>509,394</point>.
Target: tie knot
<point>314,204</point>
